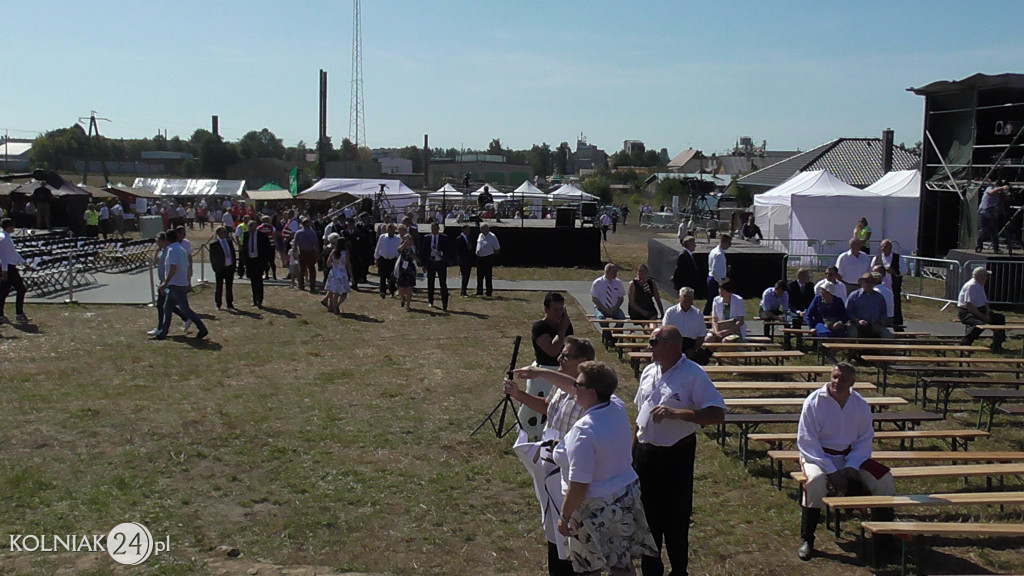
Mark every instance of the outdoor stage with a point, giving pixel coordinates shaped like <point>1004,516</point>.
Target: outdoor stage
<point>536,242</point>
<point>752,267</point>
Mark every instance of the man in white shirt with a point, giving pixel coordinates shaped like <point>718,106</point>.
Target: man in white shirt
<point>717,269</point>
<point>853,264</point>
<point>487,249</point>
<point>832,275</point>
<point>386,255</point>
<point>9,276</point>
<point>606,222</point>
<point>176,284</point>
<point>973,311</point>
<point>688,320</point>
<point>834,438</point>
<point>607,293</point>
<point>890,302</point>
<point>675,397</point>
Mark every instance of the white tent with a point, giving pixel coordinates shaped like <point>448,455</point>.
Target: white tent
<point>398,194</point>
<point>815,206</point>
<point>497,196</point>
<point>902,192</point>
<point>446,192</point>
<point>570,193</point>
<point>184,187</point>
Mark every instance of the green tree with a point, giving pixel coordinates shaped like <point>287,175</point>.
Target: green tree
<point>663,158</point>
<point>415,154</point>
<point>495,147</point>
<point>262,144</point>
<point>562,157</point>
<point>598,186</point>
<point>668,188</point>
<point>215,156</point>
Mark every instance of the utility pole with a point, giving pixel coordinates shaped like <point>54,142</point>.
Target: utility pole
<point>93,128</point>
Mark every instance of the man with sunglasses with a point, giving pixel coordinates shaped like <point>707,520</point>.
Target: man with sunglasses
<point>675,397</point>
<point>562,412</point>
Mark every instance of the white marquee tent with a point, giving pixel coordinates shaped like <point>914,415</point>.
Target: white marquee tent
<point>817,206</point>
<point>497,196</point>
<point>398,194</point>
<point>446,192</point>
<point>184,187</point>
<point>570,193</point>
<point>902,192</point>
<point>529,191</point>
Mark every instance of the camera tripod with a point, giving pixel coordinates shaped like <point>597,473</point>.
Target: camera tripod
<point>504,404</point>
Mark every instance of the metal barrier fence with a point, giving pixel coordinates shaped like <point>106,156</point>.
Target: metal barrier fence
<point>1005,282</point>
<point>932,278</point>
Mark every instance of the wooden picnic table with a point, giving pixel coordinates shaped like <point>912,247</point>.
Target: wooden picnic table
<point>758,386</point>
<point>838,503</point>
<point>776,402</point>
<point>908,531</point>
<point>990,400</point>
<point>882,363</point>
<point>961,350</point>
<point>957,438</point>
<point>944,387</point>
<point>755,356</point>
<point>748,423</point>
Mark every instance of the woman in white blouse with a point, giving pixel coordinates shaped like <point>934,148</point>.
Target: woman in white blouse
<point>602,514</point>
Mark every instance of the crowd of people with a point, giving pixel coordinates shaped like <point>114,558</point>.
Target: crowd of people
<point>342,249</point>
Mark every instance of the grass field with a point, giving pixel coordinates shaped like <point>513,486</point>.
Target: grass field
<point>320,444</point>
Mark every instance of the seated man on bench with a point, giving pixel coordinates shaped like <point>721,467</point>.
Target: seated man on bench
<point>834,438</point>
<point>774,305</point>
<point>866,308</point>
<point>827,313</point>
<point>973,311</point>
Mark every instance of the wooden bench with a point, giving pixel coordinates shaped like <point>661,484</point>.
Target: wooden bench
<point>756,356</point>
<point>872,401</point>
<point>944,471</point>
<point>835,348</point>
<point>757,386</point>
<point>781,457</point>
<point>882,363</point>
<point>944,387</point>
<point>1004,328</point>
<point>749,345</point>
<point>909,533</point>
<point>839,503</point>
<point>762,371</point>
<point>990,400</point>
<point>980,372</point>
<point>958,438</point>
<point>749,423</point>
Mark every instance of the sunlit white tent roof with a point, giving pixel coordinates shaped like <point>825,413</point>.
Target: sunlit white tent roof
<point>815,206</point>
<point>902,191</point>
<point>528,191</point>
<point>446,192</point>
<point>570,193</point>
<point>493,190</point>
<point>183,187</point>
<point>398,194</point>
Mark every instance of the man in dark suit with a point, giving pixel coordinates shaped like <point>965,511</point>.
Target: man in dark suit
<point>687,272</point>
<point>435,253</point>
<point>257,251</point>
<point>464,250</point>
<point>801,292</point>
<point>223,259</point>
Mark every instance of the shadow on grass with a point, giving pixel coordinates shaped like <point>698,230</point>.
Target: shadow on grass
<point>26,328</point>
<point>468,313</point>
<point>360,318</point>
<point>280,312</point>
<point>204,344</point>
<point>240,312</point>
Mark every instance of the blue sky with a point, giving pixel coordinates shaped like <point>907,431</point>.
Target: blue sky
<point>673,74</point>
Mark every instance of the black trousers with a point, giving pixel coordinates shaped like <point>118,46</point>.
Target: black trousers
<point>255,273</point>
<point>386,271</point>
<point>484,272</point>
<point>440,271</point>
<point>971,323</point>
<point>466,270</point>
<point>225,283</point>
<point>13,281</point>
<point>666,489</point>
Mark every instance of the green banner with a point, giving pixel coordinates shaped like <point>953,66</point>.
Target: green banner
<point>293,182</point>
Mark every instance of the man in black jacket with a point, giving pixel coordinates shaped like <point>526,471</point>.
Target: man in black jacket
<point>223,259</point>
<point>801,292</point>
<point>257,251</point>
<point>464,249</point>
<point>687,272</point>
<point>435,253</point>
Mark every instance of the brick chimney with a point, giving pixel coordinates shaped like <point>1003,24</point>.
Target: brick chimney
<point>887,137</point>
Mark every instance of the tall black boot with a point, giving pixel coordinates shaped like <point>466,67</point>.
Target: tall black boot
<point>808,523</point>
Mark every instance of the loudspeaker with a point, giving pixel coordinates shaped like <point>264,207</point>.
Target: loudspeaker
<point>565,218</point>
<point>588,210</point>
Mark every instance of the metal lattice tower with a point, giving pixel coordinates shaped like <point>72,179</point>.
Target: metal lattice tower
<point>356,115</point>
